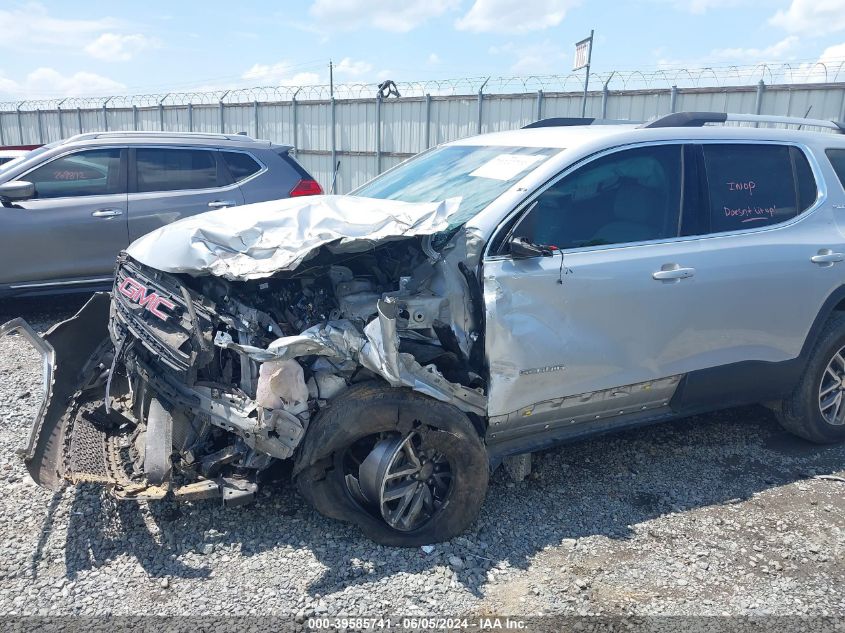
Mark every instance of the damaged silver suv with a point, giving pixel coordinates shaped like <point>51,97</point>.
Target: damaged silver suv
<point>484,300</point>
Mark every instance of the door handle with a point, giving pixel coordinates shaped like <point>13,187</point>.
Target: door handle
<point>826,257</point>
<point>220,204</point>
<point>107,213</point>
<point>672,272</point>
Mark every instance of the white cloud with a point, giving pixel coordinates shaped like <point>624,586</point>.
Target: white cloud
<point>279,74</point>
<point>351,68</point>
<point>514,16</point>
<point>833,53</point>
<point>819,70</point>
<point>700,7</point>
<point>32,24</point>
<point>776,51</point>
<point>811,17</point>
<point>433,59</point>
<point>535,59</point>
<point>387,15</point>
<point>44,83</point>
<point>120,48</point>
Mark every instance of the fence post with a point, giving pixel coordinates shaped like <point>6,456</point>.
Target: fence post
<point>605,94</point>
<point>190,117</point>
<point>842,108</point>
<point>758,101</point>
<point>222,119</point>
<point>539,104</point>
<point>427,121</point>
<point>480,101</point>
<point>105,117</point>
<point>20,122</point>
<point>61,123</point>
<point>255,116</point>
<point>334,145</point>
<point>79,118</point>
<point>40,128</point>
<point>295,122</point>
<point>2,132</point>
<point>378,133</point>
<point>134,117</point>
<point>673,98</point>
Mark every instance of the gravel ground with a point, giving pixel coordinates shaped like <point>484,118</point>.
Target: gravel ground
<point>715,514</point>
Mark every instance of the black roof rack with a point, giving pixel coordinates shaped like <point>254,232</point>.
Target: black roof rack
<point>559,122</point>
<point>567,121</point>
<point>699,119</point>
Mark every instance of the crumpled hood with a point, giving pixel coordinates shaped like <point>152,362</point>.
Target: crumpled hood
<point>258,240</point>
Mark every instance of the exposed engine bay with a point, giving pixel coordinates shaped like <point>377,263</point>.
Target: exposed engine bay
<point>229,374</point>
<point>204,382</point>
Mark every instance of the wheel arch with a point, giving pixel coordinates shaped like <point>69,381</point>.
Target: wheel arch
<point>835,303</point>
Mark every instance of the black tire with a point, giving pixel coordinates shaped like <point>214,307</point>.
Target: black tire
<point>371,409</point>
<point>800,413</point>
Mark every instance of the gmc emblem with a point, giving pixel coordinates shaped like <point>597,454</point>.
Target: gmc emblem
<point>146,298</point>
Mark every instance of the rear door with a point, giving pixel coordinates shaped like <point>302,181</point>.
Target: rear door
<point>168,183</point>
<point>74,226</point>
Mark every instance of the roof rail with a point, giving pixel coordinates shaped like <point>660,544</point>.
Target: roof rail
<point>567,121</point>
<point>699,119</point>
<point>154,134</point>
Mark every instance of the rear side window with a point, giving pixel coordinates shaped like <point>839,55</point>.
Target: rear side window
<point>241,166</point>
<point>162,169</point>
<point>89,173</point>
<point>756,185</point>
<point>837,159</point>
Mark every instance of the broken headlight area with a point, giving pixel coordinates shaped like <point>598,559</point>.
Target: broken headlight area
<point>208,382</point>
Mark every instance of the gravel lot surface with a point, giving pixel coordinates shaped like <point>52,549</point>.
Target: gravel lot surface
<point>708,515</point>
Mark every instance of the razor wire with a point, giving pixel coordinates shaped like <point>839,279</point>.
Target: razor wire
<point>725,76</point>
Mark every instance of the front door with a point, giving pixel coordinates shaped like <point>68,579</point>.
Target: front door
<point>608,308</point>
<point>74,226</point>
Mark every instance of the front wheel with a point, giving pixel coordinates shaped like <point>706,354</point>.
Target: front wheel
<point>816,409</point>
<point>408,470</point>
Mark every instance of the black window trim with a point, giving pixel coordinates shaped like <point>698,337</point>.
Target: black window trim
<point>508,222</point>
<point>222,172</point>
<point>124,168</point>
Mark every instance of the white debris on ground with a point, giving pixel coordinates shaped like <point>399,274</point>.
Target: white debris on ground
<point>723,513</point>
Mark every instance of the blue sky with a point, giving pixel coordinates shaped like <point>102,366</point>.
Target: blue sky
<point>53,48</point>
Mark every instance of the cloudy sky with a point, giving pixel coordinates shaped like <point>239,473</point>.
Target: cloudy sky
<point>64,48</point>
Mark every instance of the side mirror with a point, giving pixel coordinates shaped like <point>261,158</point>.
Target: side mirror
<point>521,248</point>
<point>16,190</point>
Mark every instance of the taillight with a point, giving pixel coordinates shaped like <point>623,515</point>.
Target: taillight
<point>306,187</point>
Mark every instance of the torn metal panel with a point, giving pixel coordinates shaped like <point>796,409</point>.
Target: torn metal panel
<point>74,341</point>
<point>259,240</point>
<point>375,348</point>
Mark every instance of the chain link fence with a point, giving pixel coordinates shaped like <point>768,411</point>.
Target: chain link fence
<point>346,135</point>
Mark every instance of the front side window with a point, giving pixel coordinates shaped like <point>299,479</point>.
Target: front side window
<point>93,172</point>
<point>756,185</point>
<point>628,196</point>
<point>164,169</point>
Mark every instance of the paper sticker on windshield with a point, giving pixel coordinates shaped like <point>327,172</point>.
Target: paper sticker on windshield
<point>505,166</point>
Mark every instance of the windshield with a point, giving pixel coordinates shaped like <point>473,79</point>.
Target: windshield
<point>478,174</point>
